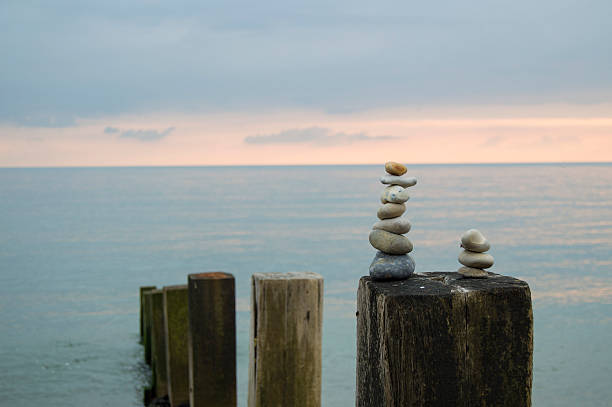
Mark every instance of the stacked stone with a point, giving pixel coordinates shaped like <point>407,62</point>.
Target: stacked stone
<point>473,257</point>
<point>392,261</point>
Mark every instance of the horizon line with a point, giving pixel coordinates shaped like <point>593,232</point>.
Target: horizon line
<point>305,165</point>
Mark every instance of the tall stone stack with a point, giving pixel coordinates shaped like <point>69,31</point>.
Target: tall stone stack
<point>392,261</point>
<point>473,257</point>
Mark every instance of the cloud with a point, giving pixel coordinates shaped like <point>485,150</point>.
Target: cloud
<point>313,135</point>
<point>111,130</point>
<point>493,141</point>
<point>144,135</point>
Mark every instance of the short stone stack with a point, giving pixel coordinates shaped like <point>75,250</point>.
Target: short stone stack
<point>473,257</point>
<point>392,261</point>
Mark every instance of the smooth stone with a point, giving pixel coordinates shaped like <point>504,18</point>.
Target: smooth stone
<point>391,266</point>
<point>475,260</point>
<point>394,168</point>
<point>391,210</point>
<point>390,243</point>
<point>472,272</point>
<point>398,226</point>
<point>474,241</point>
<point>401,181</point>
<point>394,194</point>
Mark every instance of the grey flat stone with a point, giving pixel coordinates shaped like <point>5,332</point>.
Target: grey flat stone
<point>391,267</point>
<point>476,260</point>
<point>401,181</point>
<point>471,272</point>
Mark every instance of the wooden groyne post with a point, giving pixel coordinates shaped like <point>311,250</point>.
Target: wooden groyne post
<point>436,339</point>
<point>142,291</point>
<point>176,330</point>
<point>158,344</point>
<point>212,340</point>
<point>146,324</point>
<point>285,340</point>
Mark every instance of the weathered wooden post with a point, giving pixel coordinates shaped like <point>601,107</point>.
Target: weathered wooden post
<point>142,291</point>
<point>285,340</point>
<point>212,340</point>
<point>436,339</point>
<point>146,322</point>
<point>176,326</point>
<point>158,344</point>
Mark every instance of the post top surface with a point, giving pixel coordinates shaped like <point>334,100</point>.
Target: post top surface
<point>214,275</point>
<point>147,287</point>
<point>442,283</point>
<point>175,287</point>
<point>156,291</point>
<point>300,275</point>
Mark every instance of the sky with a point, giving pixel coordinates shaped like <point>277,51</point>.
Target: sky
<point>105,83</point>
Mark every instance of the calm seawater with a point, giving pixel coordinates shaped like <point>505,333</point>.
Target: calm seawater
<point>75,245</point>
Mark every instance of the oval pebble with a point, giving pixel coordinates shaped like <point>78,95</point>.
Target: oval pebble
<point>395,225</point>
<point>475,260</point>
<point>391,210</point>
<point>390,243</point>
<point>391,266</point>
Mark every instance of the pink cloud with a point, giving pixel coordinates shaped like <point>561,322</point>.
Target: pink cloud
<point>307,137</point>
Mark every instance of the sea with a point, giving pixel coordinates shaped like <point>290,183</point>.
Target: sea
<point>77,243</point>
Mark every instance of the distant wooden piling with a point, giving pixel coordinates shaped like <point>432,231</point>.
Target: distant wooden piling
<point>176,326</point>
<point>146,322</point>
<point>285,340</point>
<point>142,291</point>
<point>158,345</point>
<point>438,340</point>
<point>212,340</point>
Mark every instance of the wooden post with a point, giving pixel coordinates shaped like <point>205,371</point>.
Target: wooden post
<point>176,326</point>
<point>146,322</point>
<point>436,339</point>
<point>212,340</point>
<point>285,342</point>
<point>142,291</point>
<point>158,344</point>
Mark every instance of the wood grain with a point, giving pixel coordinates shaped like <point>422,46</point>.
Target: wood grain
<point>212,340</point>
<point>143,290</point>
<point>158,345</point>
<point>176,326</point>
<point>285,341</point>
<point>436,339</point>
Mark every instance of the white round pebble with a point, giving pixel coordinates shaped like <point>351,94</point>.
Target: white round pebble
<point>474,241</point>
<point>394,194</point>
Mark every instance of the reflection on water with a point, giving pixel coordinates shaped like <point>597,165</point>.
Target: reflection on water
<point>558,289</point>
<point>75,245</point>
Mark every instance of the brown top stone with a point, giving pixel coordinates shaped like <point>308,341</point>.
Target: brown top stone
<point>394,168</point>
